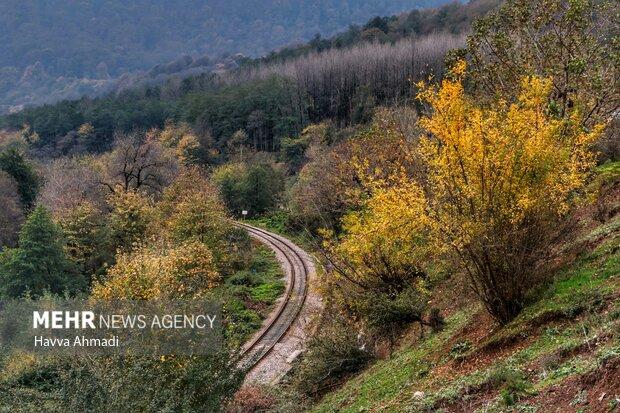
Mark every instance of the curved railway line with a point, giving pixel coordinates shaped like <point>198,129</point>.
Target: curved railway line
<point>296,265</point>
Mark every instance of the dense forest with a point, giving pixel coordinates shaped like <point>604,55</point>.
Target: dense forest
<point>455,171</point>
<point>275,97</point>
<point>53,49</point>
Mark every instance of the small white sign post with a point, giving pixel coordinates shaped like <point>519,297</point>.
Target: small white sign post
<point>244,213</point>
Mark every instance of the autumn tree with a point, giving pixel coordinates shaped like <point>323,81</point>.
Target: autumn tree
<point>28,136</point>
<point>182,140</point>
<point>573,43</point>
<point>130,218</point>
<point>379,259</point>
<point>87,137</point>
<point>332,181</point>
<point>381,252</point>
<point>187,150</point>
<point>161,272</point>
<point>70,182</point>
<point>191,210</point>
<point>88,238</point>
<point>499,179</point>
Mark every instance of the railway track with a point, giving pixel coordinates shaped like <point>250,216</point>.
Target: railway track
<point>296,267</point>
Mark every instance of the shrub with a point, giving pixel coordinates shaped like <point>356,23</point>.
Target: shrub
<point>499,180</point>
<point>186,271</point>
<point>250,399</point>
<point>332,354</point>
<point>119,384</point>
<point>436,321</point>
<point>459,349</point>
<point>387,314</point>
<point>378,261</point>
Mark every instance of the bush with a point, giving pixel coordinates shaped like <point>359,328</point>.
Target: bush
<point>119,384</point>
<point>436,321</point>
<point>515,387</point>
<point>250,399</point>
<point>245,278</point>
<point>387,314</point>
<point>459,349</point>
<point>500,232</point>
<point>334,353</point>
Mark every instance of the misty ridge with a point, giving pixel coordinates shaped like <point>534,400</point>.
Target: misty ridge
<point>56,50</point>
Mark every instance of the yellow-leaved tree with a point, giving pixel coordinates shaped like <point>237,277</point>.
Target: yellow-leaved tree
<point>499,178</point>
<point>191,209</point>
<point>158,272</point>
<point>182,140</point>
<point>130,218</point>
<point>379,257</point>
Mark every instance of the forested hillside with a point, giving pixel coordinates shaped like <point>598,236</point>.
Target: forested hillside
<point>453,172</point>
<point>64,48</point>
<point>342,78</point>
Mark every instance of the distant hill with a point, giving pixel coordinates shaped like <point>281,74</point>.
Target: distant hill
<point>56,49</point>
<point>283,91</point>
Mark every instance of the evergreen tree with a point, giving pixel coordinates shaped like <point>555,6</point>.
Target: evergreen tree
<point>39,263</point>
<point>13,163</point>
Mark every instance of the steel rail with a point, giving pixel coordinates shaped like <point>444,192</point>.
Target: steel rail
<point>283,317</point>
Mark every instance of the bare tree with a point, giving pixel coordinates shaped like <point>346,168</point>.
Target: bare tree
<point>70,182</point>
<point>332,81</point>
<point>138,164</point>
